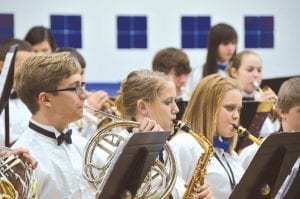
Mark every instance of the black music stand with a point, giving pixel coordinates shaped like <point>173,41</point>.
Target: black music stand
<point>275,83</point>
<point>269,168</point>
<point>132,165</point>
<point>248,112</point>
<point>181,106</point>
<point>6,83</point>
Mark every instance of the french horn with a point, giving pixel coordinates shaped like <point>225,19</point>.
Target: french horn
<point>17,180</point>
<point>159,181</point>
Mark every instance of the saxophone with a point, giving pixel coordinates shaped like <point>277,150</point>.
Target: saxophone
<point>200,169</point>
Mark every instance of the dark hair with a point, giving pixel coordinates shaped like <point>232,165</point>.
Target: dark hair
<point>74,53</point>
<point>22,46</point>
<point>169,58</point>
<point>220,33</point>
<point>38,34</point>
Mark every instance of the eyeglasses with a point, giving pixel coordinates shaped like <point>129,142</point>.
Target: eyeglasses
<point>78,89</point>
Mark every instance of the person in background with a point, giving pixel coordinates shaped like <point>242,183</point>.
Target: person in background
<point>288,109</point>
<point>151,94</point>
<point>41,39</point>
<point>212,111</point>
<point>221,48</point>
<point>247,68</point>
<point>18,112</point>
<point>173,62</point>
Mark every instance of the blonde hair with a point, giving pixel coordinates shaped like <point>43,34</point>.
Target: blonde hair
<point>139,85</point>
<point>205,103</point>
<point>41,73</point>
<point>237,61</point>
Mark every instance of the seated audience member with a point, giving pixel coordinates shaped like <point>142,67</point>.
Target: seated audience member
<point>173,62</point>
<point>41,39</point>
<point>51,87</point>
<point>212,111</point>
<point>288,108</point>
<point>151,94</point>
<point>221,48</point>
<point>247,68</point>
<point>18,112</point>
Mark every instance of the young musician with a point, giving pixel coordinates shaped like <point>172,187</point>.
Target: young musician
<point>288,108</point>
<point>212,110</point>
<point>51,86</point>
<point>221,48</point>
<point>247,68</point>
<point>173,62</point>
<point>146,94</point>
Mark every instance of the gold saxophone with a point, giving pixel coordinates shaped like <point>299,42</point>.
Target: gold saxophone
<point>200,169</point>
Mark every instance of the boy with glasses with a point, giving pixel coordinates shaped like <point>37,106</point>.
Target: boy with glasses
<point>51,86</point>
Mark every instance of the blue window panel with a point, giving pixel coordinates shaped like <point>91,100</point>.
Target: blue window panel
<point>57,22</point>
<point>74,40</point>
<point>188,41</point>
<point>140,41</point>
<point>124,41</point>
<point>6,27</point>
<point>188,24</point>
<point>252,41</point>
<point>266,24</point>
<point>203,24</point>
<point>74,23</point>
<point>132,32</point>
<point>139,23</point>
<point>67,30</point>
<point>202,40</point>
<point>251,23</point>
<point>123,23</point>
<point>259,32</point>
<point>267,40</point>
<point>194,31</point>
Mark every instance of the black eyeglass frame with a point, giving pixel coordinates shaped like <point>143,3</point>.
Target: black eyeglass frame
<point>78,89</point>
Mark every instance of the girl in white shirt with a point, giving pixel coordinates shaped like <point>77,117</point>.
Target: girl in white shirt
<point>213,109</point>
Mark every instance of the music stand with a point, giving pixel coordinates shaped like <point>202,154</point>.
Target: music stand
<point>275,83</point>
<point>6,83</point>
<point>130,168</point>
<point>181,106</point>
<point>269,168</point>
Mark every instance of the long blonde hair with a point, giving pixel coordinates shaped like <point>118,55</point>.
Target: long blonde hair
<point>204,106</point>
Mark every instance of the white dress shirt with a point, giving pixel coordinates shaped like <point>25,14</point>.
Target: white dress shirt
<point>187,152</point>
<point>59,172</point>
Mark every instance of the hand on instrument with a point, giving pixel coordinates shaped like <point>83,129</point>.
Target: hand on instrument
<point>97,100</point>
<point>147,125</point>
<point>24,154</point>
<point>202,191</point>
<point>266,96</point>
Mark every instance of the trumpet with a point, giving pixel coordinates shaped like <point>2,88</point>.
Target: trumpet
<point>267,106</point>
<point>241,131</point>
<point>159,181</point>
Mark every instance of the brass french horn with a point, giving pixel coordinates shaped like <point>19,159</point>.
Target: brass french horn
<point>158,183</point>
<point>17,180</point>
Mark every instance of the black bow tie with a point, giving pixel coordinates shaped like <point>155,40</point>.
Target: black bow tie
<point>60,139</point>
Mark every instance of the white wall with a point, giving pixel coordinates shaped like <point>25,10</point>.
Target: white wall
<point>105,63</point>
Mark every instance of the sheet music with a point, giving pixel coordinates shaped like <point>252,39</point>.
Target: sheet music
<point>5,69</point>
<point>288,180</point>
